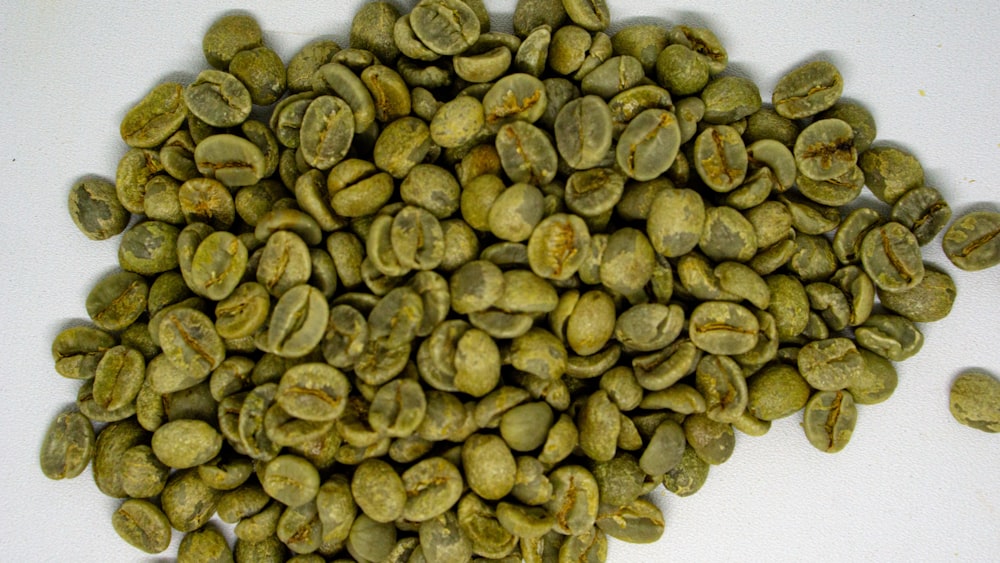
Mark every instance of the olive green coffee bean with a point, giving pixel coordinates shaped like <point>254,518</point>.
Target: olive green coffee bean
<point>186,443</point>
<point>390,95</point>
<point>713,441</point>
<point>135,169</point>
<point>118,377</point>
<point>403,144</point>
<point>290,479</point>
<point>218,265</point>
<point>973,400</point>
<point>95,209</point>
<point>313,391</point>
<point>829,419</point>
<point>876,382</point>
<point>720,380</point>
<point>575,499</point>
<point>229,35</point>
<point>649,326</point>
<point>688,476</point>
<point>720,157</point>
<point>263,73</point>
<point>890,336</point>
<point>149,248</point>
<point>433,188</point>
<point>557,246</point>
<point>87,405</point>
<point>891,257</point>
<point>971,242</point>
<point>649,144</point>
<point>190,342</point>
<point>681,70</point>
<point>417,239</point>
<point>860,120</point>
<point>188,501</point>
<point>729,99</point>
<point>831,364</point>
<point>676,220</point>
<point>117,300</point>
<point>851,233</point>
<point>825,150</point>
<point>583,132</point>
<point>378,490</point>
<point>807,90</point>
<point>232,160</point>
<point>526,153</point>
<point>154,118</point>
<point>206,545</point>
<point>719,327</point>
<point>890,172</point>
<point>143,525</point>
<point>433,485</point>
<point>664,449</point>
<point>922,210</point>
<point>218,98</point>
<point>68,446</point>
<point>489,466</point>
<point>328,127</point>
<point>640,521</point>
<point>446,27</point>
<point>298,322</point>
<point>928,301</point>
<point>370,540</point>
<point>243,311</point>
<point>777,391</point>
<point>598,422</point>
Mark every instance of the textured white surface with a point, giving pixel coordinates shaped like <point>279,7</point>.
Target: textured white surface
<point>912,484</point>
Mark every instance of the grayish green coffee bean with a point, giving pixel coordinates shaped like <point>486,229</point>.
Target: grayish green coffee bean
<point>973,400</point>
<point>68,446</point>
<point>807,90</point>
<point>291,480</point>
<point>575,499</point>
<point>829,420</point>
<point>489,466</point>
<point>218,98</point>
<point>890,172</point>
<point>825,150</point>
<point>232,160</point>
<point>891,336</point>
<point>149,248</point>
<point>649,144</point>
<point>95,209</point>
<point>971,242</point>
<point>891,257</point>
<point>877,381</point>
<point>143,525</point>
<point>689,475</point>
<point>206,545</point>
<point>188,501</point>
<point>712,441</point>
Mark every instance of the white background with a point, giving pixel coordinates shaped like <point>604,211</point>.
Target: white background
<point>912,485</point>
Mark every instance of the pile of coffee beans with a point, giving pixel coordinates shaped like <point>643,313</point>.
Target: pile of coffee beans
<point>448,293</point>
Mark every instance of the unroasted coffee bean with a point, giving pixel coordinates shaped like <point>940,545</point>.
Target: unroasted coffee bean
<point>68,446</point>
<point>605,256</point>
<point>973,401</point>
<point>829,420</point>
<point>142,524</point>
<point>971,242</point>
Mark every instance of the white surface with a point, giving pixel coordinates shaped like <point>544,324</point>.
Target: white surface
<point>912,484</point>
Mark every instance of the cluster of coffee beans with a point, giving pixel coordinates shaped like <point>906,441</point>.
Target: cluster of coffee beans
<point>473,295</point>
